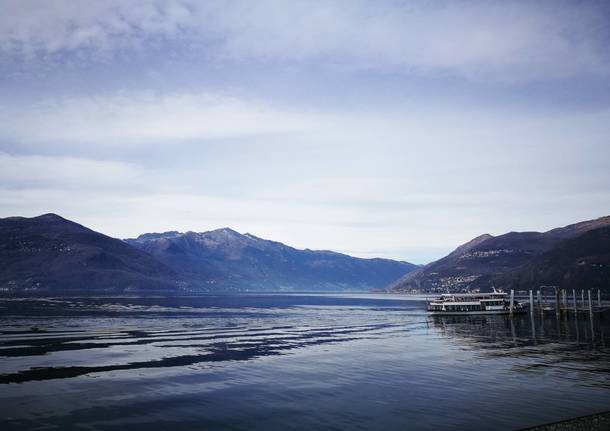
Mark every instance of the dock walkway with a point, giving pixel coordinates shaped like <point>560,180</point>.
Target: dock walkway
<point>564,301</point>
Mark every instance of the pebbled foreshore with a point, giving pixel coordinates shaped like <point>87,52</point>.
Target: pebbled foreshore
<point>596,422</point>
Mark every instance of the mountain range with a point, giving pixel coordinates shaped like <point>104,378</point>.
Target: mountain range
<point>51,254</point>
<point>233,261</point>
<point>574,256</point>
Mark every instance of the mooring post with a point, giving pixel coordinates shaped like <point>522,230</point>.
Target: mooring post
<point>564,295</point>
<point>599,298</point>
<point>590,302</point>
<point>557,301</point>
<point>532,301</point>
<point>539,300</point>
<point>592,328</point>
<point>512,301</point>
<point>574,301</point>
<point>582,299</point>
<point>533,323</point>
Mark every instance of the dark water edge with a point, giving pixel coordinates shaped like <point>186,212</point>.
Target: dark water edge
<point>292,361</point>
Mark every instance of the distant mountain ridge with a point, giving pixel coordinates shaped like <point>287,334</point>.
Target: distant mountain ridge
<point>506,260</point>
<point>576,263</point>
<point>50,254</point>
<point>236,261</point>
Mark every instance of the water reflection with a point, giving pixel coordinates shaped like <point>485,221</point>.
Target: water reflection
<point>527,329</point>
<point>194,347</point>
<point>291,362</point>
<point>156,333</point>
<point>543,342</point>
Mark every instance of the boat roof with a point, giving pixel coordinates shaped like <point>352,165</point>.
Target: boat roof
<point>471,295</point>
<point>463,303</point>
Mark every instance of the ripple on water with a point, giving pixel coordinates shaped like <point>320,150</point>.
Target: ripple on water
<point>292,362</point>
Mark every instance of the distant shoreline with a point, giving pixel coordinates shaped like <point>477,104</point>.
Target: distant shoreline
<point>81,294</point>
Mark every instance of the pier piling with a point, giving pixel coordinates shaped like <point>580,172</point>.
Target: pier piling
<point>590,303</point>
<point>574,301</point>
<point>539,300</point>
<point>599,298</point>
<point>557,309</point>
<point>512,300</point>
<point>532,301</point>
<point>564,297</point>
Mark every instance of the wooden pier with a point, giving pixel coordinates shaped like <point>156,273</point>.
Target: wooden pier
<point>551,299</point>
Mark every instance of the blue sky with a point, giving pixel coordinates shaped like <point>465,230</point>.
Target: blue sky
<point>391,128</point>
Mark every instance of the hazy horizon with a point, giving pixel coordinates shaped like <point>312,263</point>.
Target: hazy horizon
<point>393,129</point>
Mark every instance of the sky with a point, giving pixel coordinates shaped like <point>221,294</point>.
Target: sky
<point>396,129</point>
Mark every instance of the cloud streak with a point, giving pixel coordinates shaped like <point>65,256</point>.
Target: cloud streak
<point>507,42</point>
<point>44,172</point>
<point>32,28</point>
<point>504,41</point>
<point>143,119</point>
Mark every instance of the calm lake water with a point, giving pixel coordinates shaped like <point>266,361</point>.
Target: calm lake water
<point>284,362</point>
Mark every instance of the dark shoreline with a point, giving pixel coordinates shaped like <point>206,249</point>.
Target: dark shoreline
<point>594,422</point>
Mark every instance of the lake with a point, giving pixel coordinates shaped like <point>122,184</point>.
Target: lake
<point>292,362</point>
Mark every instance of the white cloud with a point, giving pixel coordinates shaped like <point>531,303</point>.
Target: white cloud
<point>145,119</point>
<point>32,27</point>
<point>152,120</point>
<point>45,172</point>
<point>367,177</point>
<point>497,41</point>
<point>368,184</point>
<point>504,41</point>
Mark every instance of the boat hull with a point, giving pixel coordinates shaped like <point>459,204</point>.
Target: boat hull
<point>468,313</point>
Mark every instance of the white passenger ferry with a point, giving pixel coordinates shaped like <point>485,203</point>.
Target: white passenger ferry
<point>474,303</point>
